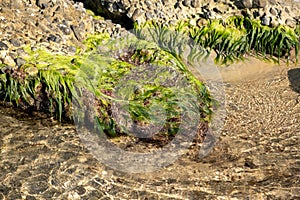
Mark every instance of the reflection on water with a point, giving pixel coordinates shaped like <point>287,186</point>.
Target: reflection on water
<point>250,70</point>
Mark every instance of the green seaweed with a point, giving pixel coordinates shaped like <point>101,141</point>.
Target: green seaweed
<point>234,37</point>
<point>48,82</point>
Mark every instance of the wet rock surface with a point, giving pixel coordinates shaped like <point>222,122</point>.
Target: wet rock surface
<point>61,26</point>
<point>57,26</point>
<point>256,157</point>
<point>172,11</point>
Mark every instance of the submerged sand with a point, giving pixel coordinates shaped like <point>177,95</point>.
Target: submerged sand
<point>256,157</point>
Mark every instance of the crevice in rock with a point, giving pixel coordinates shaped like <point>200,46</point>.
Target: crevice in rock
<point>101,9</point>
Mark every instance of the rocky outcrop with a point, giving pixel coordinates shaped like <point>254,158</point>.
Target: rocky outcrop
<point>59,26</point>
<point>51,24</point>
<point>270,12</point>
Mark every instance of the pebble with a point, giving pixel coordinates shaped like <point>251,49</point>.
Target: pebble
<point>76,32</point>
<point>3,46</point>
<point>42,3</point>
<point>71,49</point>
<point>196,3</point>
<point>265,20</point>
<point>54,38</point>
<point>291,23</point>
<point>20,61</point>
<point>186,3</point>
<point>15,42</point>
<point>273,11</point>
<point>32,71</point>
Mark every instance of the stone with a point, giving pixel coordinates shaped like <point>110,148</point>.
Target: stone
<point>196,3</point>
<point>149,16</point>
<point>65,29</point>
<point>9,61</point>
<point>136,14</point>
<point>54,38</point>
<point>274,23</point>
<point>273,11</point>
<point>166,2</point>
<point>186,3</point>
<point>3,46</point>
<point>32,71</point>
<point>259,3</point>
<point>72,49</point>
<point>242,4</point>
<point>20,61</point>
<point>265,20</point>
<point>42,3</point>
<point>76,32</point>
<point>202,22</point>
<point>15,42</point>
<point>193,22</point>
<point>291,23</point>
<point>17,4</point>
<point>29,197</point>
<point>272,2</point>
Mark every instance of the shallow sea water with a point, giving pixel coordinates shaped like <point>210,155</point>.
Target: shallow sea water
<point>256,157</point>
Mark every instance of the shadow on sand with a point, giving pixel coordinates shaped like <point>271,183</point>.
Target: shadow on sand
<point>294,78</point>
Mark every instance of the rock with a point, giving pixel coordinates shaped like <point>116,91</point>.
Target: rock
<point>42,3</point>
<point>206,13</point>
<point>193,22</point>
<point>259,3</point>
<point>255,14</point>
<point>242,4</point>
<point>32,70</point>
<point>17,4</point>
<point>136,14</point>
<point>76,32</point>
<point>149,16</point>
<point>265,20</point>
<point>65,29</point>
<point>196,3</point>
<point>273,11</point>
<point>9,61</point>
<point>20,61</point>
<point>272,2</point>
<point>247,13</point>
<point>274,23</point>
<point>72,49</point>
<point>187,3</point>
<point>54,38</point>
<point>291,23</point>
<point>166,2</point>
<point>3,46</point>
<point>21,53</point>
<point>15,42</point>
<point>202,22</point>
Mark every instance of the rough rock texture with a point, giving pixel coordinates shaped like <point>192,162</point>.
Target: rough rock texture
<point>170,11</point>
<point>56,25</point>
<point>61,26</point>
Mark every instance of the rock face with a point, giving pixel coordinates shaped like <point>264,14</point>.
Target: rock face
<point>61,25</point>
<point>170,11</point>
<point>56,25</point>
<point>241,4</point>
